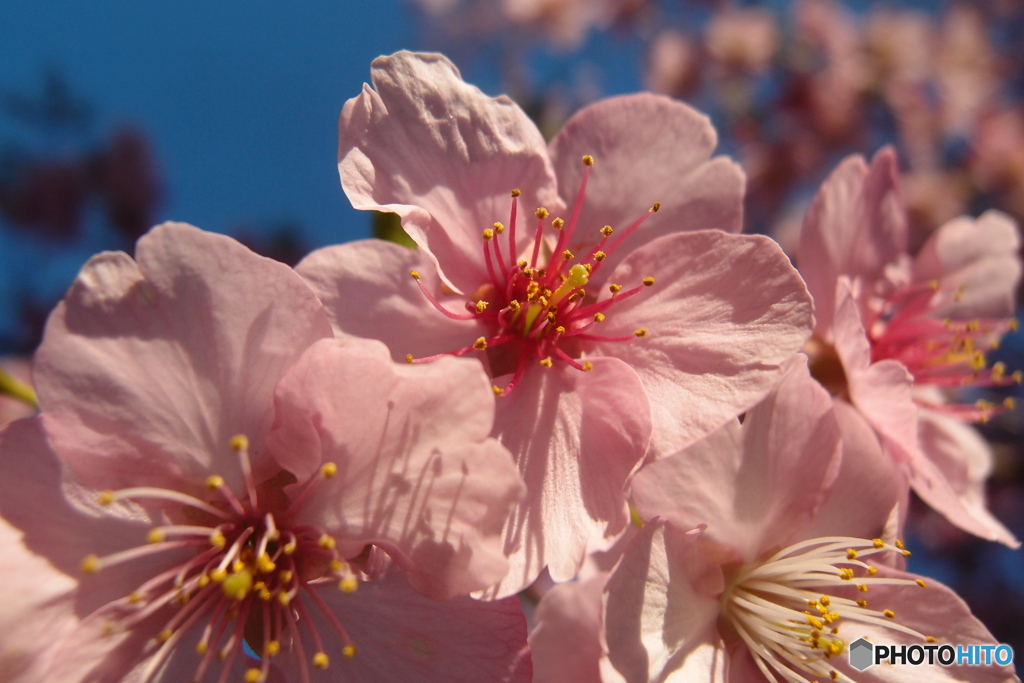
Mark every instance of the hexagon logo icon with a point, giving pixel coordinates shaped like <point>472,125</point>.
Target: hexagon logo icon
<point>862,654</point>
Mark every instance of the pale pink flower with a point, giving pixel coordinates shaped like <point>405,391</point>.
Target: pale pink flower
<point>230,472</point>
<point>894,330</point>
<point>677,326</point>
<point>772,580</point>
<point>743,38</point>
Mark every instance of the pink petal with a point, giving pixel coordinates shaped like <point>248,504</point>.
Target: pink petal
<point>367,292</point>
<point>881,391</point>
<point>934,611</point>
<point>724,312</point>
<point>950,476</point>
<point>399,635</point>
<point>977,259</point>
<point>662,608</point>
<point>444,156</point>
<point>148,369</point>
<point>567,640</point>
<point>417,473</point>
<point>576,436</point>
<point>869,487</point>
<point>855,226</point>
<point>666,160</point>
<point>755,486</point>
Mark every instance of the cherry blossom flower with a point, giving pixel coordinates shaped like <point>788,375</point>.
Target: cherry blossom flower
<point>212,471</point>
<point>752,572</point>
<point>892,331</point>
<point>622,316</point>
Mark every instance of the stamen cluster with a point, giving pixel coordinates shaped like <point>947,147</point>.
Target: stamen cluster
<point>789,609</point>
<point>246,578</point>
<point>540,311</point>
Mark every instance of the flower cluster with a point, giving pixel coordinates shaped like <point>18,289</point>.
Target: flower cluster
<point>584,374</point>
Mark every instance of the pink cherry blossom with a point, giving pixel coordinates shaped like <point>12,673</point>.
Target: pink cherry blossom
<point>894,333</point>
<point>769,580</point>
<point>228,472</point>
<point>622,316</point>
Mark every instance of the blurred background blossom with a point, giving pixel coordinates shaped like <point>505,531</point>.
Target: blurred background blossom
<point>115,116</point>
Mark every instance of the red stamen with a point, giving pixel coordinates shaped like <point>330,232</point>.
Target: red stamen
<point>437,304</point>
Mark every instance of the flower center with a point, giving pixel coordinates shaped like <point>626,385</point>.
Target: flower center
<point>242,573</point>
<point>534,304</point>
<point>789,610</point>
<point>943,353</point>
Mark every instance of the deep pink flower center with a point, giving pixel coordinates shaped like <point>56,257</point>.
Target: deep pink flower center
<point>535,305</point>
<point>942,352</point>
<point>240,572</point>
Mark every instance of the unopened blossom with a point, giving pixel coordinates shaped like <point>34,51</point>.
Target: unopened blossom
<point>212,470</point>
<point>750,572</point>
<point>581,273</point>
<point>894,333</point>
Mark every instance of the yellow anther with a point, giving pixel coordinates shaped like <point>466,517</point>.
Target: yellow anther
<point>851,553</point>
<point>931,639</point>
<point>558,224</point>
<point>934,284</point>
<point>480,344</point>
<point>264,564</point>
<point>415,274</point>
<point>834,648</point>
<point>568,255</point>
<point>326,542</point>
<point>201,647</point>
<point>90,565</point>
<point>878,543</point>
<point>546,362</point>
<point>106,498</point>
<point>906,553</point>
<point>218,575</point>
<point>214,482</point>
<point>488,234</point>
<point>862,602</point>
<point>614,289</point>
<point>515,193</point>
<point>657,205</point>
<point>272,648</point>
<point>872,571</point>
<point>349,584</point>
<point>238,584</point>
<point>560,330</point>
<point>481,306</point>
<point>203,581</point>
<point>514,306</point>
<point>349,651</point>
<point>164,635</point>
<point>336,565</point>
<point>921,583</point>
<point>239,442</point>
<point>824,600</point>
<point>408,358</point>
<point>588,160</point>
<point>815,622</point>
<point>587,366</point>
<point>321,661</point>
<point>1013,324</point>
<point>834,675</point>
<point>889,613</point>
<point>599,317</point>
<point>642,332</point>
<point>328,470</point>
<point>648,281</point>
<point>600,256</point>
<point>217,539</point>
<point>284,599</point>
<point>285,576</point>
<point>496,389</point>
<point>134,598</point>
<point>978,361</point>
<point>541,213</point>
<point>1018,377</point>
<point>155,536</point>
<point>845,574</point>
<point>862,587</point>
<point>499,228</point>
<point>253,676</point>
<point>998,371</point>
<point>899,544</point>
<point>607,230</point>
